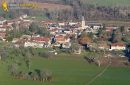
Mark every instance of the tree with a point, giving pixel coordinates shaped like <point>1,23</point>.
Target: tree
<point>116,36</point>
<point>91,35</point>
<point>84,39</point>
<point>21,75</point>
<point>28,60</point>
<point>42,75</point>
<point>46,75</point>
<point>75,47</point>
<point>34,28</point>
<point>45,54</point>
<point>34,75</point>
<point>4,54</point>
<point>122,29</point>
<point>13,70</point>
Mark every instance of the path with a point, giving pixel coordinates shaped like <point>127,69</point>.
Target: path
<point>100,74</point>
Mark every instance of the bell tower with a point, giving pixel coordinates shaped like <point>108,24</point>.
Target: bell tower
<point>83,23</point>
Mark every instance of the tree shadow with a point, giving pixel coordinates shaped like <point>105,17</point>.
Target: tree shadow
<point>89,60</point>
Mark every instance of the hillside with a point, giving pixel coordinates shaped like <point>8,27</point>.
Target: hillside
<point>118,3</point>
<point>42,4</point>
<point>74,9</point>
<point>51,6</point>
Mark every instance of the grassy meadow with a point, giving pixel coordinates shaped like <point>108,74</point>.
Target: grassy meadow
<point>69,70</point>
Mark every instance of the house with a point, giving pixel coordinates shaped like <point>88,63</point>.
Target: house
<point>40,39</point>
<point>62,39</point>
<point>117,46</point>
<point>109,29</point>
<point>50,24</point>
<point>66,45</point>
<point>27,37</point>
<point>103,45</point>
<point>72,23</point>
<point>61,24</point>
<point>2,21</point>
<point>53,26</point>
<point>89,30</point>
<point>95,25</point>
<point>25,18</point>
<point>4,28</point>
<point>2,36</point>
<point>10,22</point>
<point>47,23</point>
<point>67,31</point>
<point>38,42</point>
<point>19,43</point>
<point>53,31</point>
<point>33,44</point>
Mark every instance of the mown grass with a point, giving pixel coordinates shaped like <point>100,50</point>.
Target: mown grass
<point>114,76</point>
<point>69,70</point>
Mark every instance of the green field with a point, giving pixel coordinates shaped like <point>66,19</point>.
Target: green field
<point>68,70</point>
<point>108,2</point>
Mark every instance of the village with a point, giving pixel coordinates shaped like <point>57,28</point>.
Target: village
<point>25,39</point>
<point>64,42</point>
<point>61,34</point>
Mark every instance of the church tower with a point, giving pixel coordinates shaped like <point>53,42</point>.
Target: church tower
<point>83,23</point>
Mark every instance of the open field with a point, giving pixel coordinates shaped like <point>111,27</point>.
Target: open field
<point>52,6</point>
<point>69,70</point>
<point>121,3</point>
<point>114,76</point>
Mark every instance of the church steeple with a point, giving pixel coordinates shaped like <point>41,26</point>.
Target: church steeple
<point>83,23</point>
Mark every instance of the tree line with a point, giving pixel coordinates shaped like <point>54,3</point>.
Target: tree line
<point>19,62</point>
<point>79,8</point>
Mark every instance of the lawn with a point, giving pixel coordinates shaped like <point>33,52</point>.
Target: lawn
<point>114,76</point>
<point>68,70</point>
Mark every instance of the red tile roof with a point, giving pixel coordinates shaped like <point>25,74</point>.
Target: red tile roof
<point>53,30</point>
<point>4,26</point>
<point>40,39</point>
<point>2,34</point>
<point>60,38</point>
<point>118,44</point>
<point>48,22</point>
